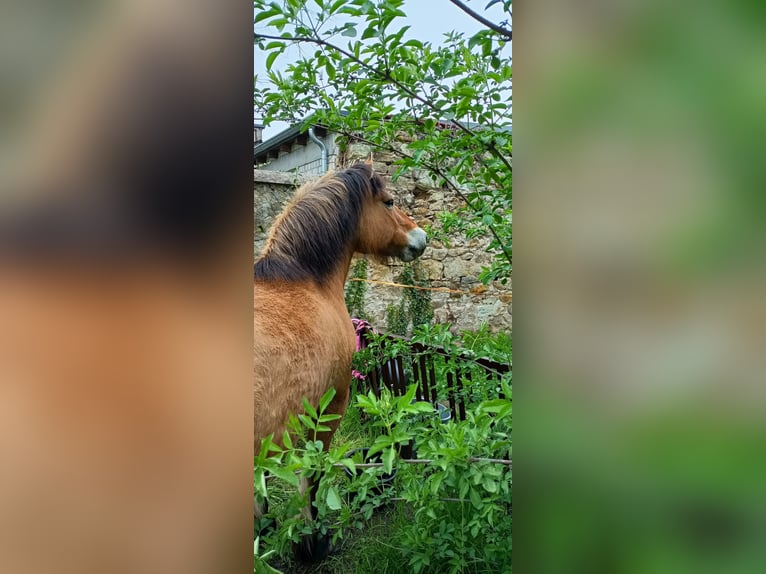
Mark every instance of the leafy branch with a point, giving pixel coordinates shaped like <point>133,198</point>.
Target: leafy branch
<point>385,74</point>
<point>504,32</point>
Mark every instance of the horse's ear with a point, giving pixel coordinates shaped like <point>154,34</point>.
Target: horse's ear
<point>368,161</point>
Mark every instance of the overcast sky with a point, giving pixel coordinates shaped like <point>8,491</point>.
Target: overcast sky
<point>429,21</point>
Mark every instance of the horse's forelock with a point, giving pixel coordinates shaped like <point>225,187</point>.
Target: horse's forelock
<point>360,179</point>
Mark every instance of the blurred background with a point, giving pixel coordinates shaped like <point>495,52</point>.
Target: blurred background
<point>125,302</point>
<point>639,283</point>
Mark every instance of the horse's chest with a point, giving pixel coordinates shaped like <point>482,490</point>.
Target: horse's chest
<point>339,344</point>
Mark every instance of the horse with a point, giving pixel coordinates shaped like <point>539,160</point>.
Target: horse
<point>303,335</point>
<point>125,256</point>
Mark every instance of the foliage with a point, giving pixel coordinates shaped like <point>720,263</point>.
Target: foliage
<point>414,308</point>
<point>471,527</point>
<point>396,318</point>
<point>454,513</point>
<point>419,306</point>
<point>476,530</point>
<point>261,564</point>
<point>455,353</point>
<point>364,77</point>
<point>496,347</point>
<point>356,290</point>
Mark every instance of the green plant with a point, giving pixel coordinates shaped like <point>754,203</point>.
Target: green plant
<point>356,290</point>
<point>261,565</point>
<point>451,513</point>
<point>414,307</point>
<point>456,353</point>
<point>482,343</point>
<point>397,318</point>
<point>419,306</point>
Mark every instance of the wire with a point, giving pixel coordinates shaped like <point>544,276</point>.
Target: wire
<point>475,291</point>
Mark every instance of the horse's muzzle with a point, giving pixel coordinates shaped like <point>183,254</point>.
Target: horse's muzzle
<point>416,244</point>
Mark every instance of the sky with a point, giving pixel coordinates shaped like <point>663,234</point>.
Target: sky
<point>429,20</point>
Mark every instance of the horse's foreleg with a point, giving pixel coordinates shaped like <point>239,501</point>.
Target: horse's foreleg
<point>314,547</point>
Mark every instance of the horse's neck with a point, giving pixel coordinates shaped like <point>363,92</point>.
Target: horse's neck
<point>336,283</point>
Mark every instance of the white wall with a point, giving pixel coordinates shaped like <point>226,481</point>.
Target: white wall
<point>305,159</point>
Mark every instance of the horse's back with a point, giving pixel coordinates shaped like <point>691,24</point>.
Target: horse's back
<point>303,345</point>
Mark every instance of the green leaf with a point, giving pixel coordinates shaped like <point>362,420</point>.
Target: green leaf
<point>310,410</point>
<point>333,500</point>
<point>388,460</point>
<point>369,32</point>
<point>260,482</point>
<point>407,398</point>
<point>307,422</point>
<point>328,418</point>
<point>475,499</point>
<point>349,464</point>
<point>287,440</point>
<point>380,443</point>
<point>350,11</point>
<point>421,407</point>
<point>496,405</point>
<point>349,31</point>
<point>336,5</point>
<point>285,474</point>
<point>270,59</point>
<point>265,14</point>
<point>326,399</point>
<point>489,485</point>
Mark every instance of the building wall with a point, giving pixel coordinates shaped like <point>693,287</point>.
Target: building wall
<point>305,159</point>
<point>455,267</point>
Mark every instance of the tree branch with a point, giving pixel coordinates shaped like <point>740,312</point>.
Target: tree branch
<point>508,34</point>
<point>386,75</point>
<point>438,171</point>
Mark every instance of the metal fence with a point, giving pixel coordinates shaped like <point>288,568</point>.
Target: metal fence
<point>441,377</point>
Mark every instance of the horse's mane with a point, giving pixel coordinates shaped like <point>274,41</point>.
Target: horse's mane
<point>308,239</point>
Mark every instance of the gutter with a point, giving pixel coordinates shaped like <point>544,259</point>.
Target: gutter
<point>322,148</point>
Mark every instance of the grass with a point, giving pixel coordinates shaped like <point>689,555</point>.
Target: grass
<point>360,551</point>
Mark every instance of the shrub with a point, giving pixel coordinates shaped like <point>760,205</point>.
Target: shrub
<point>357,290</point>
<point>457,507</point>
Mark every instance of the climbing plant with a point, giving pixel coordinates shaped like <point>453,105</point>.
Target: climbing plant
<point>414,307</point>
<point>356,290</point>
<point>419,307</point>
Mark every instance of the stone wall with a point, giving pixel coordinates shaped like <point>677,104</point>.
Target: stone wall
<point>271,190</point>
<point>455,268</point>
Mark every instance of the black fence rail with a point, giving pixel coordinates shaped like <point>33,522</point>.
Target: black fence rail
<point>441,377</point>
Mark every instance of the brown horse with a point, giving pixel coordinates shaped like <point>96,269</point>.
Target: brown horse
<point>304,338</point>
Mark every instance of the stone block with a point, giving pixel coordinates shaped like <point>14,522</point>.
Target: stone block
<point>434,269</point>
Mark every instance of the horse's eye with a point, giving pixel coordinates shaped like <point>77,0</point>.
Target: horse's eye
<point>389,203</point>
